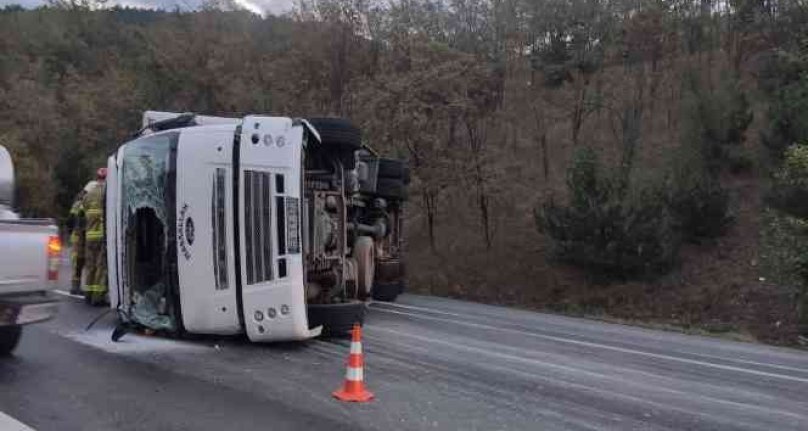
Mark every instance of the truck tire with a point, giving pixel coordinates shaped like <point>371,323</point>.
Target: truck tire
<point>337,320</point>
<point>391,188</point>
<point>9,337</point>
<point>389,270</point>
<point>340,134</point>
<point>390,280</point>
<point>396,169</point>
<point>364,252</point>
<point>387,291</point>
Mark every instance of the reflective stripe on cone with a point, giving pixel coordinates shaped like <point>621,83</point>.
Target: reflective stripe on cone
<point>356,347</point>
<point>354,374</point>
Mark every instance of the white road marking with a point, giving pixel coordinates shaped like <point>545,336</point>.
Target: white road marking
<point>8,423</point>
<point>381,305</point>
<point>606,347</point>
<point>702,355</point>
<point>579,371</point>
<point>744,361</point>
<point>63,293</point>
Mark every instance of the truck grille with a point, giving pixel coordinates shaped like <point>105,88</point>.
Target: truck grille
<point>257,232</point>
<point>217,209</point>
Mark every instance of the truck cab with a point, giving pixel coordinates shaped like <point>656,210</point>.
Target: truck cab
<point>270,226</point>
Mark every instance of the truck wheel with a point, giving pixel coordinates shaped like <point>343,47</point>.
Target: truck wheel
<point>391,188</point>
<point>387,291</point>
<point>396,169</point>
<point>337,319</point>
<point>340,133</point>
<point>389,270</point>
<point>9,337</point>
<point>365,254</point>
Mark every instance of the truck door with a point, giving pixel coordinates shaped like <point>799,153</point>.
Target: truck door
<point>204,234</point>
<point>271,268</point>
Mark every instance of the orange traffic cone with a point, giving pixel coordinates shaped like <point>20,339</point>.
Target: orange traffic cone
<point>354,387</point>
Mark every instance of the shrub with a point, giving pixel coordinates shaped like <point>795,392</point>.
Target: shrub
<point>698,203</point>
<point>700,207</point>
<point>712,135</point>
<point>789,190</point>
<point>784,81</point>
<point>610,232</point>
<point>783,248</point>
<point>715,123</point>
<point>740,161</point>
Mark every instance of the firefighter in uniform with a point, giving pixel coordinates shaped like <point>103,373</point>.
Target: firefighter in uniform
<point>95,289</point>
<point>77,225</point>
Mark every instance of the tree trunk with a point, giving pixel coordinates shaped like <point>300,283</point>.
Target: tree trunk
<point>538,116</point>
<point>430,203</point>
<point>578,111</point>
<point>482,200</point>
<point>338,66</point>
<point>544,158</point>
<point>476,142</point>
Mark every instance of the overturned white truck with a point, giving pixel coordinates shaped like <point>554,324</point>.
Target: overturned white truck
<point>276,227</point>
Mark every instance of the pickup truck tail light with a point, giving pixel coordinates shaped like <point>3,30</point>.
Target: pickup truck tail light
<point>54,257</point>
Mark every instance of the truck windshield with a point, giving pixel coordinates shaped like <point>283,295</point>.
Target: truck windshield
<point>148,213</point>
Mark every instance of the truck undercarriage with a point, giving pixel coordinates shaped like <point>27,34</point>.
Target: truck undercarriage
<point>353,226</point>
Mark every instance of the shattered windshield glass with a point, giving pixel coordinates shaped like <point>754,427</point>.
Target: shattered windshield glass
<point>148,220</point>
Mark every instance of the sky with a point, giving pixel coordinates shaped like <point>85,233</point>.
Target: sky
<point>261,7</point>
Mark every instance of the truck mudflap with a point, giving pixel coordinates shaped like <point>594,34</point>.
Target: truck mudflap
<point>270,260</point>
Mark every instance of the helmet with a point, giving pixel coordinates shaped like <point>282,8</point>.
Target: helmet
<point>101,173</point>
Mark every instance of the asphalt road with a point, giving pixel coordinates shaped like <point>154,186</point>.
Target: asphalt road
<point>432,363</point>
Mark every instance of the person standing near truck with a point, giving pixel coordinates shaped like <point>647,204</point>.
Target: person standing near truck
<point>77,226</point>
<point>95,289</point>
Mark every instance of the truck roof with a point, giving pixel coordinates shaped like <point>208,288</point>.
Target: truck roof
<point>151,117</point>
<point>172,120</point>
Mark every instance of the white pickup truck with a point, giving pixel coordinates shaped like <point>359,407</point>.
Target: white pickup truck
<point>30,252</point>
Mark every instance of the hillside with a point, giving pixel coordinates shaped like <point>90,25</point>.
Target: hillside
<point>490,101</point>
